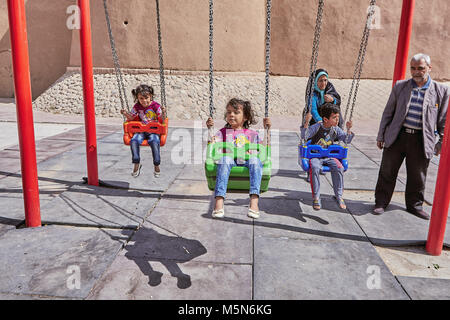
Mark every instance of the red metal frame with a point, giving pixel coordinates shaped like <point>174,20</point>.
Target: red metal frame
<point>404,36</point>
<point>441,201</point>
<point>88,91</point>
<point>25,124</point>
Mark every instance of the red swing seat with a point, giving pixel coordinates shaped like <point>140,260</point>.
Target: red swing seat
<point>132,127</point>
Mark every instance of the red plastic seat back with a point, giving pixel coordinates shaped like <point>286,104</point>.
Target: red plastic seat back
<point>131,127</point>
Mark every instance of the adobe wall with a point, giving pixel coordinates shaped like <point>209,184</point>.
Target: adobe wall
<point>238,37</point>
<point>342,27</point>
<point>49,43</point>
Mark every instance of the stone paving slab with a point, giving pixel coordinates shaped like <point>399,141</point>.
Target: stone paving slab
<point>224,240</point>
<point>14,154</point>
<point>292,185</point>
<point>119,176</point>
<point>36,260</point>
<point>141,279</point>
<point>358,159</point>
<point>185,203</point>
<point>51,184</point>
<point>68,162</point>
<point>317,269</point>
<point>4,296</point>
<point>364,179</point>
<point>193,172</point>
<point>426,288</point>
<point>12,207</point>
<point>298,220</point>
<point>8,224</point>
<point>394,227</point>
<point>8,166</point>
<point>100,207</point>
<point>188,189</point>
<point>286,163</point>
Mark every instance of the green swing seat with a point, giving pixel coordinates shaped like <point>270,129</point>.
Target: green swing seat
<point>239,176</point>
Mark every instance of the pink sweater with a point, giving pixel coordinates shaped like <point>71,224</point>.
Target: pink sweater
<point>146,114</point>
<point>238,137</point>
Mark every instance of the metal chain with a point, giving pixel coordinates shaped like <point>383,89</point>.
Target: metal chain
<point>161,62</point>
<point>359,63</point>
<point>266,101</point>
<point>120,84</point>
<point>211,51</point>
<point>314,55</point>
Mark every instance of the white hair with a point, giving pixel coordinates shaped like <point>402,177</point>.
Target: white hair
<point>419,56</point>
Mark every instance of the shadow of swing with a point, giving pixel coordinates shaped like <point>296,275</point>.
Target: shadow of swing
<point>148,246</point>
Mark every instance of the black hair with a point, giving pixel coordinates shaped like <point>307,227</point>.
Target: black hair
<point>142,89</point>
<point>327,109</point>
<point>247,109</point>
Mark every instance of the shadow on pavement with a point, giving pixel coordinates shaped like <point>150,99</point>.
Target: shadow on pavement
<point>148,245</point>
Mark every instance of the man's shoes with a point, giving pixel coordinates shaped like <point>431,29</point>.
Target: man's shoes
<point>378,210</point>
<point>420,213</point>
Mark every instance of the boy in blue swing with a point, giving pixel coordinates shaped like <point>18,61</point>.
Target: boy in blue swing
<point>325,133</point>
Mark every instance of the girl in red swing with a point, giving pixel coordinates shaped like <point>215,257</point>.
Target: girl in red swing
<point>146,110</point>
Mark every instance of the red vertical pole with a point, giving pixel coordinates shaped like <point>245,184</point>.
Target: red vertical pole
<point>404,36</point>
<point>22,89</point>
<point>441,200</point>
<point>88,91</point>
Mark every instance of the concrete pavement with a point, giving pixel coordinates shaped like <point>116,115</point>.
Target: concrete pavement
<point>149,238</point>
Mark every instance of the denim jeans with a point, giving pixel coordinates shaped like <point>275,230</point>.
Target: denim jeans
<point>224,166</point>
<point>153,142</point>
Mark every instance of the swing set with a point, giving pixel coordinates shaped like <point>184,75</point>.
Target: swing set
<point>239,176</point>
<point>132,127</point>
<point>27,146</point>
<point>306,150</point>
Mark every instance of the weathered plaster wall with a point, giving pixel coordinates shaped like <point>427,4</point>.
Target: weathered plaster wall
<point>238,37</point>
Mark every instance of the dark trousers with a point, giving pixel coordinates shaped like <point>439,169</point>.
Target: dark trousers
<point>409,146</point>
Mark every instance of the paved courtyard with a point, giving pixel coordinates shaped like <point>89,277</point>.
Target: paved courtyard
<point>149,238</point>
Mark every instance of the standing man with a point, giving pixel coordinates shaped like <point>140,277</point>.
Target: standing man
<point>415,109</point>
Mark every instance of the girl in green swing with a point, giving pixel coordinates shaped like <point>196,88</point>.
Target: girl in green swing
<point>239,115</point>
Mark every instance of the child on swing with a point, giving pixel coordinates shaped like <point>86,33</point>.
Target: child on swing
<point>146,110</point>
<point>238,116</point>
<point>324,134</point>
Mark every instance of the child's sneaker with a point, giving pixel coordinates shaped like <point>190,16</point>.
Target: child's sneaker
<point>218,213</point>
<point>136,173</point>
<point>253,214</point>
<point>157,172</point>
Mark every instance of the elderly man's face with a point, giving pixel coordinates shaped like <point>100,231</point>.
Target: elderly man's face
<point>420,70</point>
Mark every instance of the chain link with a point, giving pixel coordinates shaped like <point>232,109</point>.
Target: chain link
<point>266,100</point>
<point>120,84</point>
<point>314,55</point>
<point>211,51</point>
<point>161,61</point>
<point>359,63</point>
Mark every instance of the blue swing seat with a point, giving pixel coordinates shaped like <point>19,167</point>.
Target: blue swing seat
<point>308,151</point>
